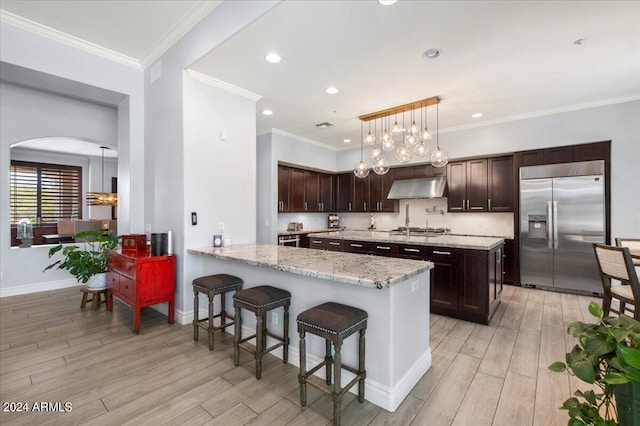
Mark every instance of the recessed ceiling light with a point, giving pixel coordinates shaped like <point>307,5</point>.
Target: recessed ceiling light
<point>331,90</point>
<point>273,57</point>
<point>387,2</point>
<point>476,115</point>
<point>267,112</point>
<point>431,54</point>
<point>347,141</point>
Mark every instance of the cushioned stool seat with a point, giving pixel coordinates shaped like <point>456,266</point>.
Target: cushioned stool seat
<point>334,322</point>
<point>212,285</point>
<point>260,300</point>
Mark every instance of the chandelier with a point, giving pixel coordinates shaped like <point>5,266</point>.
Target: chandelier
<point>408,138</point>
<point>102,198</point>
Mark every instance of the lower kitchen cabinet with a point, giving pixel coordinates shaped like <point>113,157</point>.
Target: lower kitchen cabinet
<point>465,284</point>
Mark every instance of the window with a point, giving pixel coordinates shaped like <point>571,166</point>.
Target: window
<point>45,191</point>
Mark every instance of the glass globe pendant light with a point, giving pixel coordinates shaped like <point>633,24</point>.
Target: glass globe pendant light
<point>396,128</point>
<point>403,154</point>
<point>427,134</point>
<point>421,150</point>
<point>380,166</point>
<point>387,141</point>
<point>361,169</point>
<point>375,153</point>
<point>439,157</point>
<point>370,139</point>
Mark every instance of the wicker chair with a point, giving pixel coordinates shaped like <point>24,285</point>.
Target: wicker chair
<point>615,264</point>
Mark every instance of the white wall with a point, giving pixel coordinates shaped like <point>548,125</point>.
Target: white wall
<point>169,122</point>
<point>618,123</point>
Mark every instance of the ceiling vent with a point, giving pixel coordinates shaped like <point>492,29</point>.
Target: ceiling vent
<point>324,125</point>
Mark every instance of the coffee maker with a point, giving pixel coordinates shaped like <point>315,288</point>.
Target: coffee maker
<point>334,220</point>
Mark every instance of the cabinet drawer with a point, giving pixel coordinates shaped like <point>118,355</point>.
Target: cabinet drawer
<point>113,281</point>
<point>316,243</point>
<point>335,245</point>
<point>362,247</point>
<point>385,249</point>
<point>127,287</point>
<point>413,251</point>
<point>442,254</point>
<point>123,265</point>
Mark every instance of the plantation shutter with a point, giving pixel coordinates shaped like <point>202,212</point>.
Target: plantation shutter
<point>46,191</point>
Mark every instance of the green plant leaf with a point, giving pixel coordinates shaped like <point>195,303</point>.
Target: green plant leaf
<point>615,379</point>
<point>630,355</point>
<point>595,310</point>
<point>584,370</point>
<point>632,374</point>
<point>558,367</point>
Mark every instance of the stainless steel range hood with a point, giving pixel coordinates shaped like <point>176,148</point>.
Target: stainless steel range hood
<point>418,188</point>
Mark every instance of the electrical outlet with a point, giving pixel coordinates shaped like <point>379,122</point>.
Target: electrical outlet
<point>275,318</point>
<point>414,286</point>
<point>221,226</point>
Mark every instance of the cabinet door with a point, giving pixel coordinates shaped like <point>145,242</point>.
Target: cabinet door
<point>456,186</point>
<point>360,195</point>
<point>477,185</point>
<point>444,278</point>
<point>326,192</point>
<point>344,192</point>
<point>284,178</point>
<point>561,154</point>
<point>473,290</point>
<point>500,184</point>
<point>401,173</point>
<point>375,191</point>
<point>530,158</point>
<point>296,190</point>
<point>508,264</point>
<point>591,151</point>
<point>387,205</point>
<point>312,191</point>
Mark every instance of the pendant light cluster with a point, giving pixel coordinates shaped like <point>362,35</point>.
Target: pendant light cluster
<point>102,198</point>
<point>406,141</point>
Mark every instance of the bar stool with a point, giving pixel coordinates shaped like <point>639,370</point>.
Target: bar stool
<point>260,300</point>
<point>212,285</point>
<point>334,322</point>
<point>98,297</point>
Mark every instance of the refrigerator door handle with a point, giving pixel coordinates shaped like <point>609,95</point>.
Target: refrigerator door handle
<point>550,225</point>
<point>555,224</point>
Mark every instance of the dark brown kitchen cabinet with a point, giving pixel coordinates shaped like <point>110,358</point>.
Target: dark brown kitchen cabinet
<point>360,194</point>
<point>284,180</point>
<point>325,192</point>
<point>592,151</point>
<point>445,279</point>
<point>296,190</point>
<point>467,186</point>
<point>508,261</point>
<point>361,247</point>
<point>565,154</point>
<point>500,184</point>
<point>311,191</point>
<point>428,170</point>
<point>344,191</point>
<point>379,187</point>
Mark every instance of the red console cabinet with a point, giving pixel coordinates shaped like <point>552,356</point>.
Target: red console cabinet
<point>140,280</point>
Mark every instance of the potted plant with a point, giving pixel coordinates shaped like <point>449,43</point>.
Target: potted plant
<point>87,264</point>
<point>607,355</point>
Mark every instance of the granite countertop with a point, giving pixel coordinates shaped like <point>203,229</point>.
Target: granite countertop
<point>356,269</point>
<point>305,231</point>
<point>446,240</point>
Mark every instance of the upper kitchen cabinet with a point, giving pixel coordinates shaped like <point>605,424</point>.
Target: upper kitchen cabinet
<point>284,181</point>
<point>481,185</point>
<point>500,181</point>
<point>304,190</point>
<point>379,187</point>
<point>564,154</point>
<point>344,191</point>
<point>467,186</point>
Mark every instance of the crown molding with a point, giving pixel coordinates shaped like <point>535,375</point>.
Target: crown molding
<point>553,111</point>
<point>69,40</point>
<point>223,85</point>
<point>191,19</point>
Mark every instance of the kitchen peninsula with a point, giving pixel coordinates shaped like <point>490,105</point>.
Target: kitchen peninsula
<point>394,292</point>
<point>467,278</point>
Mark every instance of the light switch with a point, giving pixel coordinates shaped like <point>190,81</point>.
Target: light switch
<point>223,136</point>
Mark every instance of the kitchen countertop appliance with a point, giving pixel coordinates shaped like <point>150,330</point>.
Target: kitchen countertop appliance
<point>562,213</point>
<point>294,226</point>
<point>334,221</point>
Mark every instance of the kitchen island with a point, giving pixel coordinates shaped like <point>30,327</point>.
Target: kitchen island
<point>394,292</point>
<point>467,279</point>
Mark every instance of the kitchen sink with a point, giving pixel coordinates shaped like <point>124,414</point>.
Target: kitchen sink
<point>420,232</point>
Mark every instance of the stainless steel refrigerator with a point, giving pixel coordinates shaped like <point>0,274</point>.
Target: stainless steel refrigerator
<point>562,213</point>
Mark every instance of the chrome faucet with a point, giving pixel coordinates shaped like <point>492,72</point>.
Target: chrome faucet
<point>406,219</point>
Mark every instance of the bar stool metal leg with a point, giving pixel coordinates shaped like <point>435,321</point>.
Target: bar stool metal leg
<point>259,343</point>
<point>236,337</point>
<point>337,371</point>
<point>211,330</point>
<point>285,350</point>
<point>328,359</point>
<point>361,366</point>
<point>196,307</point>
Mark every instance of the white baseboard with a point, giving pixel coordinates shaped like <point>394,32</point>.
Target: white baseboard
<point>34,288</point>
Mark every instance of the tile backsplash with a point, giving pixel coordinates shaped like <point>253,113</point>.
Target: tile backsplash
<point>495,224</point>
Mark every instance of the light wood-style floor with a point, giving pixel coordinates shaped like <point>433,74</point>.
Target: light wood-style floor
<point>51,351</point>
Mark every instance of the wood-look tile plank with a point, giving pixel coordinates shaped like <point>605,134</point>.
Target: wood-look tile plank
<point>478,342</point>
<point>524,359</point>
<point>282,412</point>
<point>570,308</point>
<point>239,415</point>
<point>310,418</point>
<point>552,345</point>
<point>442,405</point>
<point>514,406</point>
<point>441,358</point>
<point>496,360</point>
<point>403,416</point>
<point>552,309</point>
<point>551,391</point>
<point>357,413</point>
<point>532,316</point>
<point>479,404</point>
<point>196,416</point>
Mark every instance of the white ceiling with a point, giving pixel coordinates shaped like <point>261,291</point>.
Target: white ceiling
<point>506,59</point>
<point>71,146</point>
